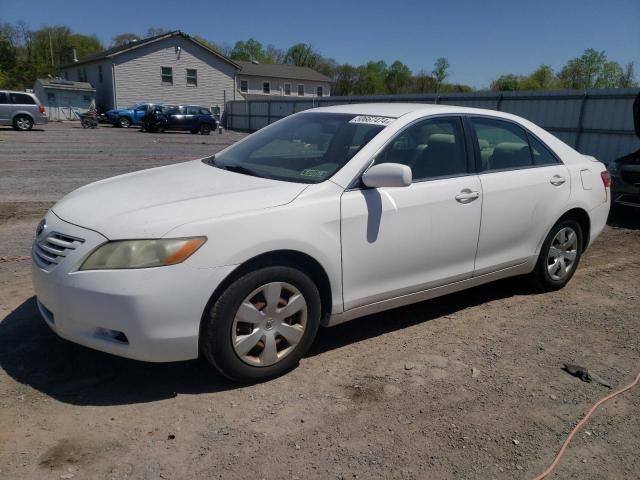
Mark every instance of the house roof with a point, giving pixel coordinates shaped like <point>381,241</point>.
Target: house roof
<point>58,84</point>
<point>115,51</point>
<point>280,71</point>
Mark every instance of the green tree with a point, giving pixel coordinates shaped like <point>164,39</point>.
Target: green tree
<point>249,51</point>
<point>440,71</point>
<point>397,78</point>
<point>123,39</point>
<point>506,83</point>
<point>423,83</point>
<point>591,70</point>
<point>370,79</point>
<point>345,80</point>
<point>155,31</point>
<point>628,79</point>
<point>301,55</point>
<point>544,78</point>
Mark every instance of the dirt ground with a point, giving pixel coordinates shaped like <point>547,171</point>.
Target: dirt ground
<point>467,386</point>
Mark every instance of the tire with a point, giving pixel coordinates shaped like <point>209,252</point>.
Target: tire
<point>124,122</point>
<point>205,129</point>
<point>23,123</point>
<point>239,349</point>
<point>562,247</point>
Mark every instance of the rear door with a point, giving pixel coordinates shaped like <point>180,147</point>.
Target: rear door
<point>176,118</point>
<point>525,188</point>
<point>5,108</point>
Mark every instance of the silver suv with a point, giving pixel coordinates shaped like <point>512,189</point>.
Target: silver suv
<point>22,110</point>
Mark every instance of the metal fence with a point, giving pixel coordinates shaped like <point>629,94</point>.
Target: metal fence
<point>594,122</point>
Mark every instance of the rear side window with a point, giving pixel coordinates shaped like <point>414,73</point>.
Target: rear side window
<point>541,154</point>
<point>432,148</point>
<point>22,99</point>
<point>4,98</point>
<point>503,145</point>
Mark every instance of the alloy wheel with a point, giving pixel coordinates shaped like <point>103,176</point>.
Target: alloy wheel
<point>23,123</point>
<point>269,324</point>
<point>562,253</point>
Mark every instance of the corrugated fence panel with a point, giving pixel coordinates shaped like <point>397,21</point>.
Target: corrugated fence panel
<point>595,122</point>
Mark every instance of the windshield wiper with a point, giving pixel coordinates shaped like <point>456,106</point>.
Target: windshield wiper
<point>240,169</point>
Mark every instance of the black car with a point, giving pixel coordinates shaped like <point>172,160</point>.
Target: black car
<point>625,171</point>
<point>192,118</point>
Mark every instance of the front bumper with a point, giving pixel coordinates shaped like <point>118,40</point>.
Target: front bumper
<point>157,311</point>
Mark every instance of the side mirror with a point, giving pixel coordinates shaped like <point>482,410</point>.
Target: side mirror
<point>387,175</point>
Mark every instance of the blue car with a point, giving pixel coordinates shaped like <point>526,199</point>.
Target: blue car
<point>125,117</point>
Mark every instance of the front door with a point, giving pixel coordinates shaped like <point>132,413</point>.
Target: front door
<point>397,241</point>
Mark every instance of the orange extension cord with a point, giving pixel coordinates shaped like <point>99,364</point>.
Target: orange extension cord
<point>581,423</point>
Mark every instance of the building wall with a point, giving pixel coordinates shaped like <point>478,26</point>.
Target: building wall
<point>277,86</point>
<point>138,75</point>
<point>91,73</point>
<point>61,103</point>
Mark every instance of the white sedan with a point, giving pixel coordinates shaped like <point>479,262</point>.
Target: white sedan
<point>325,216</point>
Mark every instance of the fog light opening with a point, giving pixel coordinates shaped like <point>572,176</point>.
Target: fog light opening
<point>114,335</point>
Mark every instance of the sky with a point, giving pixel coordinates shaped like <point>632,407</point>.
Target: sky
<point>482,39</point>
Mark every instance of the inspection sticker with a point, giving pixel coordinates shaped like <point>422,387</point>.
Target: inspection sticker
<point>309,172</point>
<point>371,120</point>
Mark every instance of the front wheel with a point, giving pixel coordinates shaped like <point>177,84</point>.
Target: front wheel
<point>205,129</point>
<point>559,256</point>
<point>124,122</point>
<point>262,324</point>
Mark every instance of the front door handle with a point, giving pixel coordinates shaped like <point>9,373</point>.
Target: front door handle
<point>467,195</point>
<point>557,180</point>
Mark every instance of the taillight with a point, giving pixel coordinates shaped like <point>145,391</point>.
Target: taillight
<point>606,178</point>
<point>41,108</point>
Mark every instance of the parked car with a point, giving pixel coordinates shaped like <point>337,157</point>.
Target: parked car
<point>22,110</point>
<point>325,216</point>
<point>125,117</point>
<point>625,171</point>
<point>192,118</point>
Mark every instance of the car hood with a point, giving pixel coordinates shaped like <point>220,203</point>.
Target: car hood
<point>149,203</point>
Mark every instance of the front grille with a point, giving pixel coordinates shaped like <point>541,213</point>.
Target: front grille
<point>630,177</point>
<point>52,249</point>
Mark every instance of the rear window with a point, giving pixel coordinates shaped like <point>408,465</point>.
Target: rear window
<point>22,99</point>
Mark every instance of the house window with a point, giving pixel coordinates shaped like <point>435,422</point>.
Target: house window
<point>266,87</point>
<point>319,91</point>
<point>287,89</point>
<point>301,90</point>
<point>192,77</point>
<point>167,75</point>
<point>100,73</point>
<point>244,86</point>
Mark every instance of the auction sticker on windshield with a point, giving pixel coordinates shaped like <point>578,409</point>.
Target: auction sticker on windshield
<point>371,120</point>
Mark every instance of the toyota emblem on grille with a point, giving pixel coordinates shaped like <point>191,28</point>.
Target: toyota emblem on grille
<point>40,228</point>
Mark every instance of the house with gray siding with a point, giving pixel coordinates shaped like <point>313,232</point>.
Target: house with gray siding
<point>169,68</point>
<point>263,80</point>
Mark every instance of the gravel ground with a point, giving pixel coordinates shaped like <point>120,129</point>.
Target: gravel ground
<point>466,386</point>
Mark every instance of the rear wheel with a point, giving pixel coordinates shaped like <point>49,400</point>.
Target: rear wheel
<point>124,122</point>
<point>23,123</point>
<point>205,129</point>
<point>262,324</point>
<point>559,256</point>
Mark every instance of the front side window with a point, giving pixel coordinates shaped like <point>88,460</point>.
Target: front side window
<point>192,77</point>
<point>167,75</point>
<point>319,91</point>
<point>432,148</point>
<point>301,90</point>
<point>4,98</point>
<point>503,145</point>
<point>244,86</point>
<point>305,148</point>
<point>266,87</point>
<point>287,89</point>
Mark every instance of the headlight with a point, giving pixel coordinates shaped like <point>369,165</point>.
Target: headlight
<point>142,253</point>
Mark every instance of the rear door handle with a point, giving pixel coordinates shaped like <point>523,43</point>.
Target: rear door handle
<point>557,180</point>
<point>467,195</point>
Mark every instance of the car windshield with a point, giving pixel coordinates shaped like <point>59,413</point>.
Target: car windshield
<point>306,148</point>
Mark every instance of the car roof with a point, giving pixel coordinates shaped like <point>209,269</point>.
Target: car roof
<point>396,110</point>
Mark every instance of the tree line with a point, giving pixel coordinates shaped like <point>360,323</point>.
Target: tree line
<point>27,54</point>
